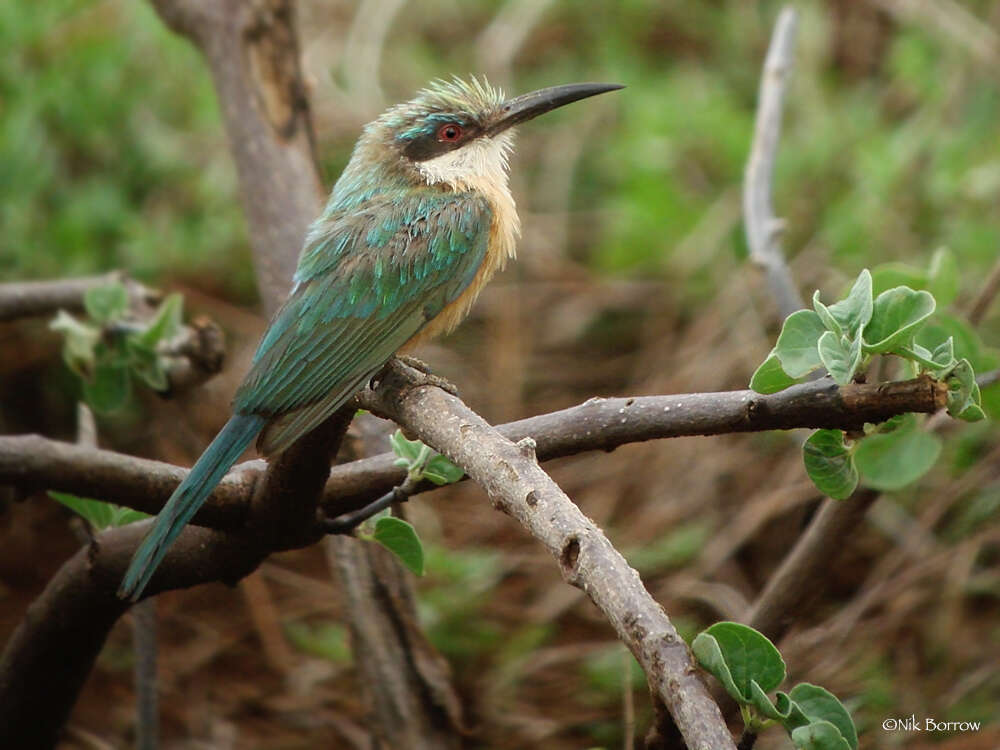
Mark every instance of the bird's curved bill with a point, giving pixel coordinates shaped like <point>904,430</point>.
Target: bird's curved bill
<point>528,106</point>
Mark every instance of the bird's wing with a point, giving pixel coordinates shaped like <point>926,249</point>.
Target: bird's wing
<point>367,282</point>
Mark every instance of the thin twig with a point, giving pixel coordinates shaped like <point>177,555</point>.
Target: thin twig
<point>983,300</point>
<point>347,522</point>
<point>763,229</point>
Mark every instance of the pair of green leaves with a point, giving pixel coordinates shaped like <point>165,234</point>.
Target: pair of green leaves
<point>108,350</point>
<point>888,458</point>
<point>749,667</point>
<point>395,534</point>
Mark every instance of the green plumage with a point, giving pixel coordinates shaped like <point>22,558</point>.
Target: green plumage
<point>367,282</point>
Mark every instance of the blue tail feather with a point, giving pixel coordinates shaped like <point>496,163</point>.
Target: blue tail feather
<point>189,496</point>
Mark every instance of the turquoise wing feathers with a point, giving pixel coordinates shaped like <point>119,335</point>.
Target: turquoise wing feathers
<point>367,282</point>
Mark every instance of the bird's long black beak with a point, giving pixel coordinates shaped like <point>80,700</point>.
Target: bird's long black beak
<point>527,106</point>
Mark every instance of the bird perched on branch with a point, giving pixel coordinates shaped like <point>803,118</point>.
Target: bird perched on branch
<point>417,224</point>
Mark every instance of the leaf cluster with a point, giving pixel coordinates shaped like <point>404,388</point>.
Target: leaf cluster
<point>749,667</point>
<point>110,348</point>
<point>877,317</point>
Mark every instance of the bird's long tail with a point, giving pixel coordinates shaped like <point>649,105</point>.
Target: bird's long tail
<point>189,496</point>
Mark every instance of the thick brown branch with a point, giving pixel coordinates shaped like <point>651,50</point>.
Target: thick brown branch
<point>32,462</point>
<point>252,51</point>
<point>518,486</point>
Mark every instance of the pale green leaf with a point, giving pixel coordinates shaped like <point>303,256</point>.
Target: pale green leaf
<point>829,464</point>
<point>400,538</point>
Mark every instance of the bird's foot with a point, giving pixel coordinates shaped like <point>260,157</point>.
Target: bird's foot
<point>429,378</point>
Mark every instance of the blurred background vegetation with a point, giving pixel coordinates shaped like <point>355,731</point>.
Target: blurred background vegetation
<point>631,279</point>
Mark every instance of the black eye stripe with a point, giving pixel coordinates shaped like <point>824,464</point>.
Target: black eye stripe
<point>429,145</point>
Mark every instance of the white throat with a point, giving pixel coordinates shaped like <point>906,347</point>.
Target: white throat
<point>481,163</point>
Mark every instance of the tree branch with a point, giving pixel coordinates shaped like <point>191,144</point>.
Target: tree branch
<point>763,229</point>
<point>28,299</point>
<point>194,355</point>
<point>65,627</point>
<point>36,463</point>
<point>252,51</point>
<point>518,486</point>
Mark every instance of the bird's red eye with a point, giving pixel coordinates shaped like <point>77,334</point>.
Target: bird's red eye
<point>449,133</point>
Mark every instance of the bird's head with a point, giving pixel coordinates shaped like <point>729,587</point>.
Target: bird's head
<point>458,133</point>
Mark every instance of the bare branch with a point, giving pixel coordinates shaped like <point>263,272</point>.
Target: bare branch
<point>763,229</point>
<point>33,462</point>
<point>516,485</point>
<point>814,551</point>
<point>36,463</point>
<point>252,50</point>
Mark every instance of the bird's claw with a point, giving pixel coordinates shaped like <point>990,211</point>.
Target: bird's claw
<point>428,377</point>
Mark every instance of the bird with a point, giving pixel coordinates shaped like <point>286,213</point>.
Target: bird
<point>419,221</point>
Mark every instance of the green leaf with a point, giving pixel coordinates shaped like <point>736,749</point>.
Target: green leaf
<point>737,654</point>
<point>166,323</point>
<point>440,470</point>
<point>841,359</point>
<point>409,450</point>
<point>896,317</point>
<point>890,461</point>
<point>826,317</point>
<point>97,513</point>
<point>943,277</point>
<point>80,342</point>
<point>769,377</point>
<point>109,389</point>
<point>964,399</point>
<point>855,311</point>
<point>967,343</point>
<point>829,464</point>
<point>708,652</point>
<point>889,275</point>
<point>122,516</point>
<point>107,303</point>
<point>819,704</point>
<point>938,363</point>
<point>760,701</point>
<point>819,735</point>
<point>400,538</point>
<point>791,716</point>
<point>797,342</point>
<point>145,363</point>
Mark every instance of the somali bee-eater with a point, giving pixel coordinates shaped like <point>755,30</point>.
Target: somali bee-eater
<point>418,222</point>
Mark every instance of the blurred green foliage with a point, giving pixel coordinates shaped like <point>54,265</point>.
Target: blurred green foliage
<point>108,156</point>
